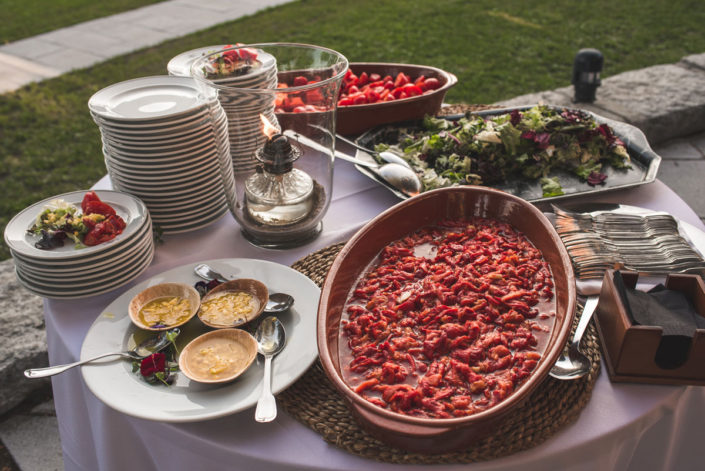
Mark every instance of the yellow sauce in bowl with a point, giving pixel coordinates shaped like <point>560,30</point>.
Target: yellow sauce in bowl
<point>167,310</point>
<point>229,308</point>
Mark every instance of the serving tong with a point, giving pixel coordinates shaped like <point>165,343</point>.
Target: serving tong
<point>611,236</point>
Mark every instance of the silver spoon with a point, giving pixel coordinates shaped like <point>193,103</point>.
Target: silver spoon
<point>143,350</point>
<point>271,338</point>
<point>576,364</point>
<point>386,155</point>
<point>277,302</point>
<point>399,176</point>
<point>402,178</point>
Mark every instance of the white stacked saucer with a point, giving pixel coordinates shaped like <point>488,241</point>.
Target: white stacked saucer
<point>75,272</point>
<point>245,99</point>
<point>165,140</point>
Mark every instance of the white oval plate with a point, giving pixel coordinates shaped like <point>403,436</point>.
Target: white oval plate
<point>187,401</point>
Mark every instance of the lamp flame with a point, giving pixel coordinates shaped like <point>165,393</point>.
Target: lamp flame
<point>268,129</point>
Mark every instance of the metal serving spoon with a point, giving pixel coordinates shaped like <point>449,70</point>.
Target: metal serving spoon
<point>387,156</point>
<point>271,338</point>
<point>576,364</point>
<point>399,176</point>
<point>143,350</point>
<point>277,302</point>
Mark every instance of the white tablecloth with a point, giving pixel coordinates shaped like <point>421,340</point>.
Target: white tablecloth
<point>624,426</point>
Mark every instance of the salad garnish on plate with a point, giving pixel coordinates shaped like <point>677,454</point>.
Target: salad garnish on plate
<point>97,222</point>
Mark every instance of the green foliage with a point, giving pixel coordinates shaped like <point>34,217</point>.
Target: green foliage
<point>498,50</point>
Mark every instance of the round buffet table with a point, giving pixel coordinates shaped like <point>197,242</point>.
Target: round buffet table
<point>623,426</point>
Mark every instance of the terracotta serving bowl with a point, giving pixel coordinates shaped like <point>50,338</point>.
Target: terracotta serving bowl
<point>429,435</point>
<point>355,119</point>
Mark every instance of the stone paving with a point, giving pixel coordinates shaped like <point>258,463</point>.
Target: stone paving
<point>50,54</point>
<point>665,101</point>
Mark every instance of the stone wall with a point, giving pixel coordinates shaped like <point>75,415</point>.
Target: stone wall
<point>22,339</point>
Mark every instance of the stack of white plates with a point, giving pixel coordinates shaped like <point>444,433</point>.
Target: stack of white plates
<point>180,65</point>
<point>242,98</point>
<point>166,142</point>
<point>70,272</point>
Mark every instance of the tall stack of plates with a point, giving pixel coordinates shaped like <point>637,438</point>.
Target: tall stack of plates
<point>165,141</point>
<point>76,272</point>
<point>180,65</point>
<point>244,98</point>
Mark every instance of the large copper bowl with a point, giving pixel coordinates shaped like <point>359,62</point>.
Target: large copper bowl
<point>440,435</point>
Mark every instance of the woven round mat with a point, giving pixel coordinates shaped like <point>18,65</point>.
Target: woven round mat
<point>314,402</point>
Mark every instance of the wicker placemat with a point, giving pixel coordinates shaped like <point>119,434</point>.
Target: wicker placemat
<point>314,402</point>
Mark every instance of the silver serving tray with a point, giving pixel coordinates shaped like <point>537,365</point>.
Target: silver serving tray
<point>645,162</point>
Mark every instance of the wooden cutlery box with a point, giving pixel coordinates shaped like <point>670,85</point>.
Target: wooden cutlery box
<point>630,350</point>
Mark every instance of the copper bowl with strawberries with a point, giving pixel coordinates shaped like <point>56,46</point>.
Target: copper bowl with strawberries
<point>443,314</point>
<point>407,92</point>
<point>375,93</point>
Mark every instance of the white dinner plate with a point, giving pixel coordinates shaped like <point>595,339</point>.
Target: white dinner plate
<point>149,99</point>
<point>89,264</point>
<point>185,401</point>
<point>105,287</point>
<point>159,127</point>
<point>152,178</point>
<point>89,280</point>
<point>132,210</point>
<point>180,65</point>
<point>141,141</point>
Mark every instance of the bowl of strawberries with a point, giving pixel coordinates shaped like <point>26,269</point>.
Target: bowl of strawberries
<point>376,93</point>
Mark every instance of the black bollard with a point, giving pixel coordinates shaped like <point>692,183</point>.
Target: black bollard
<point>586,74</point>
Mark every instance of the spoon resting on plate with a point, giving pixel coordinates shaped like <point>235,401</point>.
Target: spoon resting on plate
<point>149,346</point>
<point>271,338</point>
<point>278,302</point>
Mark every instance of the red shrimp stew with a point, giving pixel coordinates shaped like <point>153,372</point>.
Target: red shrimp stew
<point>449,320</point>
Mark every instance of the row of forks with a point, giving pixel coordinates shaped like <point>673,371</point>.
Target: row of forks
<point>648,243</point>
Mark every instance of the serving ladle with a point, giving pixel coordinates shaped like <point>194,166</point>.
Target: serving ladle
<point>576,365</point>
<point>277,302</point>
<point>271,338</point>
<point>149,346</point>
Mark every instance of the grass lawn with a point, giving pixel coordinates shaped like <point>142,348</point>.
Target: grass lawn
<point>25,18</point>
<point>497,50</point>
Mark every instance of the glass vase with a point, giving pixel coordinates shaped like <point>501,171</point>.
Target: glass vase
<point>280,100</point>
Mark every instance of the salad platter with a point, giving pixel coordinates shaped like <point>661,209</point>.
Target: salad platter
<point>640,167</point>
<point>116,385</point>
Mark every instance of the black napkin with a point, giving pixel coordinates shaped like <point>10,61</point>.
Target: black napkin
<point>669,309</point>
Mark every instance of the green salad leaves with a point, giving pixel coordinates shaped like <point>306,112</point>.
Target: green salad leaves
<point>527,144</point>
